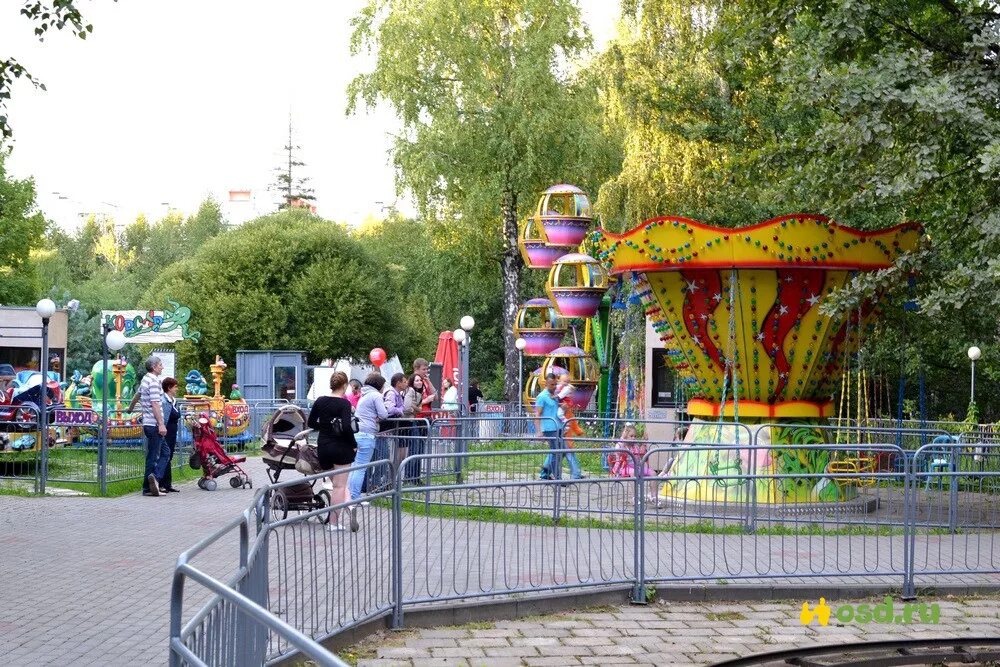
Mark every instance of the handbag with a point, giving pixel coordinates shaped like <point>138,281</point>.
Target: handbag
<point>337,425</point>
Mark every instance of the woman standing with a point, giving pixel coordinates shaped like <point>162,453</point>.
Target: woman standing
<point>413,405</point>
<point>336,447</point>
<point>171,415</point>
<point>449,400</point>
<point>370,411</point>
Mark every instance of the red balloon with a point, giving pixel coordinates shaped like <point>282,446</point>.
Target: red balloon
<point>377,356</point>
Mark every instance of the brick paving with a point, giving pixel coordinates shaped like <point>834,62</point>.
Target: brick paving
<point>86,581</point>
<point>664,633</point>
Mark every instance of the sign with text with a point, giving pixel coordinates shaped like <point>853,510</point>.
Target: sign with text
<point>152,326</point>
<point>69,417</point>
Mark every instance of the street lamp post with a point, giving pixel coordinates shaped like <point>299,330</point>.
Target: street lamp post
<point>520,344</point>
<point>45,308</point>
<point>460,338</point>
<point>468,324</point>
<point>111,341</point>
<point>974,354</point>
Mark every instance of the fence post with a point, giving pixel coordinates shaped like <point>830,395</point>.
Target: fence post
<point>953,485</point>
<point>751,521</point>
<point>242,638</point>
<point>638,528</point>
<point>909,524</point>
<point>396,549</point>
<point>556,473</point>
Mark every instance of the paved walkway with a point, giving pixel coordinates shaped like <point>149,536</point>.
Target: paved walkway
<point>657,634</point>
<point>86,581</point>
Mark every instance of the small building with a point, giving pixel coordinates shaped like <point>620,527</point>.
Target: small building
<point>272,374</point>
<point>21,339</point>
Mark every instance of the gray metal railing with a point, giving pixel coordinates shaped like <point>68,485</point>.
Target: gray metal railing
<point>467,518</point>
<point>76,460</point>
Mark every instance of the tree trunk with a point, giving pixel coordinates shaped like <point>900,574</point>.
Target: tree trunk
<point>510,268</point>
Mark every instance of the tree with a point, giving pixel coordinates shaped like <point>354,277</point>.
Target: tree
<point>491,116</point>
<point>21,231</point>
<point>58,14</point>
<point>289,183</point>
<point>285,281</point>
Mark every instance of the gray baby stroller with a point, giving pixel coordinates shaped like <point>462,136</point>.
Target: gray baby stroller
<point>287,447</point>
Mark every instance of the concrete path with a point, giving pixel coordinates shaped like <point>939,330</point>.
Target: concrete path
<point>657,634</point>
<point>86,581</point>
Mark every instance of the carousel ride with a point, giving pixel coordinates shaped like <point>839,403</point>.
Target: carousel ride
<point>125,427</point>
<point>740,313</point>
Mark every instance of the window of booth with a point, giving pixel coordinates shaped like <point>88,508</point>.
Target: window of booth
<point>29,359</point>
<point>284,382</point>
<point>663,380</point>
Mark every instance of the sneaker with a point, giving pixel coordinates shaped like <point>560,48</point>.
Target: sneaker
<point>149,493</point>
<point>334,527</point>
<point>364,503</point>
<point>354,520</point>
<point>154,487</point>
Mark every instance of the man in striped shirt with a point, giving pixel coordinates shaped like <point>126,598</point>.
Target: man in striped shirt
<point>150,398</point>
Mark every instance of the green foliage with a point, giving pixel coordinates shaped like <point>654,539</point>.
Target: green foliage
<point>286,281</point>
<point>21,231</point>
<point>58,14</point>
<point>491,116</point>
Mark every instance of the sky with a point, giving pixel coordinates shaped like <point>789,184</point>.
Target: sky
<point>169,101</point>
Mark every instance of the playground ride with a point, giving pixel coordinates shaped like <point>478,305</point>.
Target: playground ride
<point>581,368</point>
<point>739,311</point>
<point>536,252</point>
<point>576,286</point>
<point>21,395</point>
<point>540,326</point>
<point>125,428</point>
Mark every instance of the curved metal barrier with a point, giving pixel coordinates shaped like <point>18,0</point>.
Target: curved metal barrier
<point>453,516</point>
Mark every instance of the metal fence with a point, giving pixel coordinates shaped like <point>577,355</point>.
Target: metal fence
<point>74,454</point>
<point>452,515</point>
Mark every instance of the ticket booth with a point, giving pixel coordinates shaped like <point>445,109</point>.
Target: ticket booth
<point>272,374</point>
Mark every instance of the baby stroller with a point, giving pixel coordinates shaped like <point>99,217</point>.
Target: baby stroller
<point>213,460</point>
<point>287,447</point>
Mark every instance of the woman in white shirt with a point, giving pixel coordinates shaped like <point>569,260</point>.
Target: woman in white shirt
<point>449,400</point>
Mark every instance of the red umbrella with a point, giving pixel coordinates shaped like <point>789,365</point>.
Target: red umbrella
<point>447,356</point>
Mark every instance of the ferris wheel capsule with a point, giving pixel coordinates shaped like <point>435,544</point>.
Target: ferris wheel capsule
<point>576,285</point>
<point>540,326</point>
<point>564,214</point>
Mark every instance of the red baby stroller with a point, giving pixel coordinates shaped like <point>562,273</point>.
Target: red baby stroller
<point>213,460</point>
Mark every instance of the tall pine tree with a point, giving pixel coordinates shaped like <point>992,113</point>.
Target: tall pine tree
<point>289,182</point>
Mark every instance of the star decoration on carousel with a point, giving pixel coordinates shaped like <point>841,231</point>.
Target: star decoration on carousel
<point>783,310</point>
<point>760,337</point>
<point>813,300</point>
<point>692,287</point>
<point>717,297</point>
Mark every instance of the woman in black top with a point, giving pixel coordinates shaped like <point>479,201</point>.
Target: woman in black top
<point>336,446</point>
